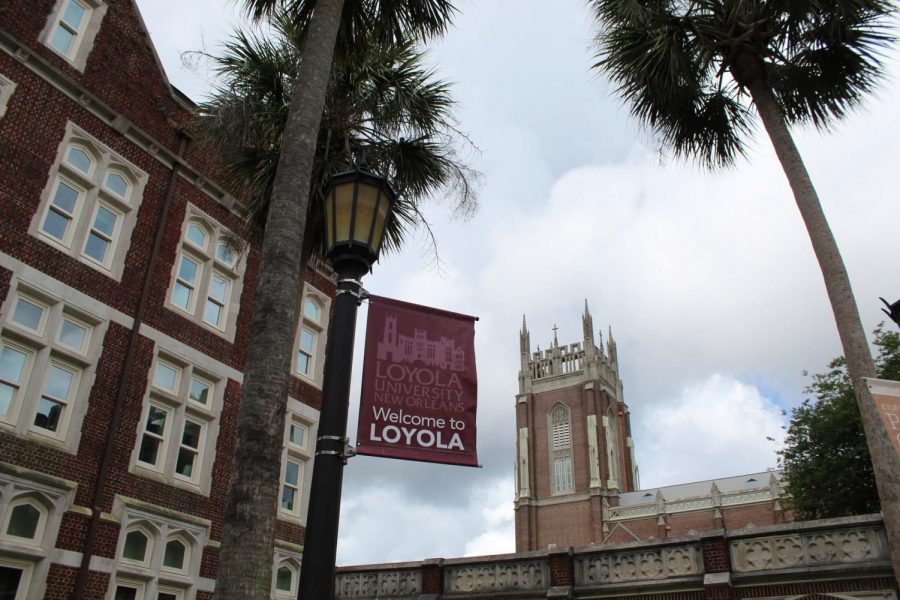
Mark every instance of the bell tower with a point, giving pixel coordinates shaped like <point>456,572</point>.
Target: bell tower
<point>574,448</point>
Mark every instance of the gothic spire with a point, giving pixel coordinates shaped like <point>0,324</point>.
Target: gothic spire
<point>587,326</point>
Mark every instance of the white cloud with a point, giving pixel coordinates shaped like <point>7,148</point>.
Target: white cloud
<point>715,428</point>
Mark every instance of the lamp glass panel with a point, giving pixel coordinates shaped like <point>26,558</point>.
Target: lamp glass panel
<point>343,211</point>
<point>365,207</point>
<point>380,219</point>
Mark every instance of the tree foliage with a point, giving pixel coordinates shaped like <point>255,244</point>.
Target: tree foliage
<point>825,458</point>
<point>685,66</point>
<point>383,105</point>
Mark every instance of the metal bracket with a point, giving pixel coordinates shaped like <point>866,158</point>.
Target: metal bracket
<point>349,280</point>
<point>360,295</point>
<point>345,454</point>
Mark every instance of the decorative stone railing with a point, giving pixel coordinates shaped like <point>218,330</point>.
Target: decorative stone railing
<point>640,565</point>
<point>497,577</point>
<point>815,556</point>
<point>804,549</point>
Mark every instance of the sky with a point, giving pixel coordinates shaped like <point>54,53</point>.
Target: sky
<point>708,280</point>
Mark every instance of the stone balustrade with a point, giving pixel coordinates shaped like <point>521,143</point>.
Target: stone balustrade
<point>847,556</point>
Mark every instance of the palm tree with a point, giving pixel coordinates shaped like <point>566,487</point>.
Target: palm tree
<point>689,70</point>
<point>384,106</point>
<point>248,537</point>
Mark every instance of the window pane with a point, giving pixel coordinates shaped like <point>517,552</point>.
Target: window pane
<point>196,235</point>
<point>165,376</point>
<point>188,270</point>
<point>72,334</point>
<point>149,450</point>
<point>62,40</point>
<point>166,596</point>
<point>302,363</point>
<point>48,414</point>
<point>9,581</point>
<point>28,314</point>
<point>225,253</point>
<point>298,434</point>
<point>199,391</point>
<point>135,546</point>
<point>11,364</point>
<point>95,247</point>
<point>23,521</point>
<point>55,225</point>
<point>105,221</point>
<point>311,310</point>
<point>185,464</point>
<point>79,159</point>
<point>212,313</point>
<point>125,593</point>
<point>156,421</point>
<point>287,498</point>
<point>191,436</point>
<point>66,196</point>
<point>292,473</point>
<point>306,340</point>
<point>181,295</point>
<point>174,556</point>
<point>58,382</point>
<point>6,396</point>
<point>284,579</point>
<point>218,288</point>
<point>117,184</point>
<point>73,15</point>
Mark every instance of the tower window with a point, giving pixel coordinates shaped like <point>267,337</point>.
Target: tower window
<point>563,480</point>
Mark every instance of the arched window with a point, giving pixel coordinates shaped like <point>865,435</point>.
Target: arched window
<point>286,578</point>
<point>205,272</point>
<point>88,210</point>
<point>562,472</point>
<point>137,548</point>
<point>176,556</point>
<point>310,335</point>
<point>25,521</point>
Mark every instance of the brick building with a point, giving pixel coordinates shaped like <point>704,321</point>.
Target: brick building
<point>126,289</point>
<point>577,478</point>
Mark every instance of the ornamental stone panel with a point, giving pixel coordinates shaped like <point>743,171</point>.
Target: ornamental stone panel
<point>644,565</point>
<point>378,584</point>
<point>497,577</point>
<point>809,549</point>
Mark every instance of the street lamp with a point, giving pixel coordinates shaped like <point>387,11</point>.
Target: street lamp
<point>357,210</point>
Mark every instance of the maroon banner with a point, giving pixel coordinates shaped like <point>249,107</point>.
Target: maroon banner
<point>419,386</point>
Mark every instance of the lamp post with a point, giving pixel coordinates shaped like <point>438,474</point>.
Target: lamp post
<point>357,209</point>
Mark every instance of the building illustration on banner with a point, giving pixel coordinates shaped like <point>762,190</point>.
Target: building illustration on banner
<point>396,347</point>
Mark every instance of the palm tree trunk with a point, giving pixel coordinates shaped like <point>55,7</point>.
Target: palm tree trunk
<point>885,460</point>
<point>248,537</point>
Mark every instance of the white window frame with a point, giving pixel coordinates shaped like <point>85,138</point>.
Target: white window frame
<point>84,35</point>
<point>27,568</point>
<point>319,329</point>
<point>210,264</point>
<point>180,409</point>
<point>307,417</point>
<point>92,194</point>
<point>559,445</point>
<point>292,559</point>
<point>7,87</point>
<point>45,351</point>
<point>52,497</point>
<point>150,577</point>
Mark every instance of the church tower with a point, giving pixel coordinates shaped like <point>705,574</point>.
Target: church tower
<point>574,449</point>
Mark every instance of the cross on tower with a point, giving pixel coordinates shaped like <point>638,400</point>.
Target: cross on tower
<point>555,342</point>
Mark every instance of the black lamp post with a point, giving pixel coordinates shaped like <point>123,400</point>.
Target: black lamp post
<point>356,212</point>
